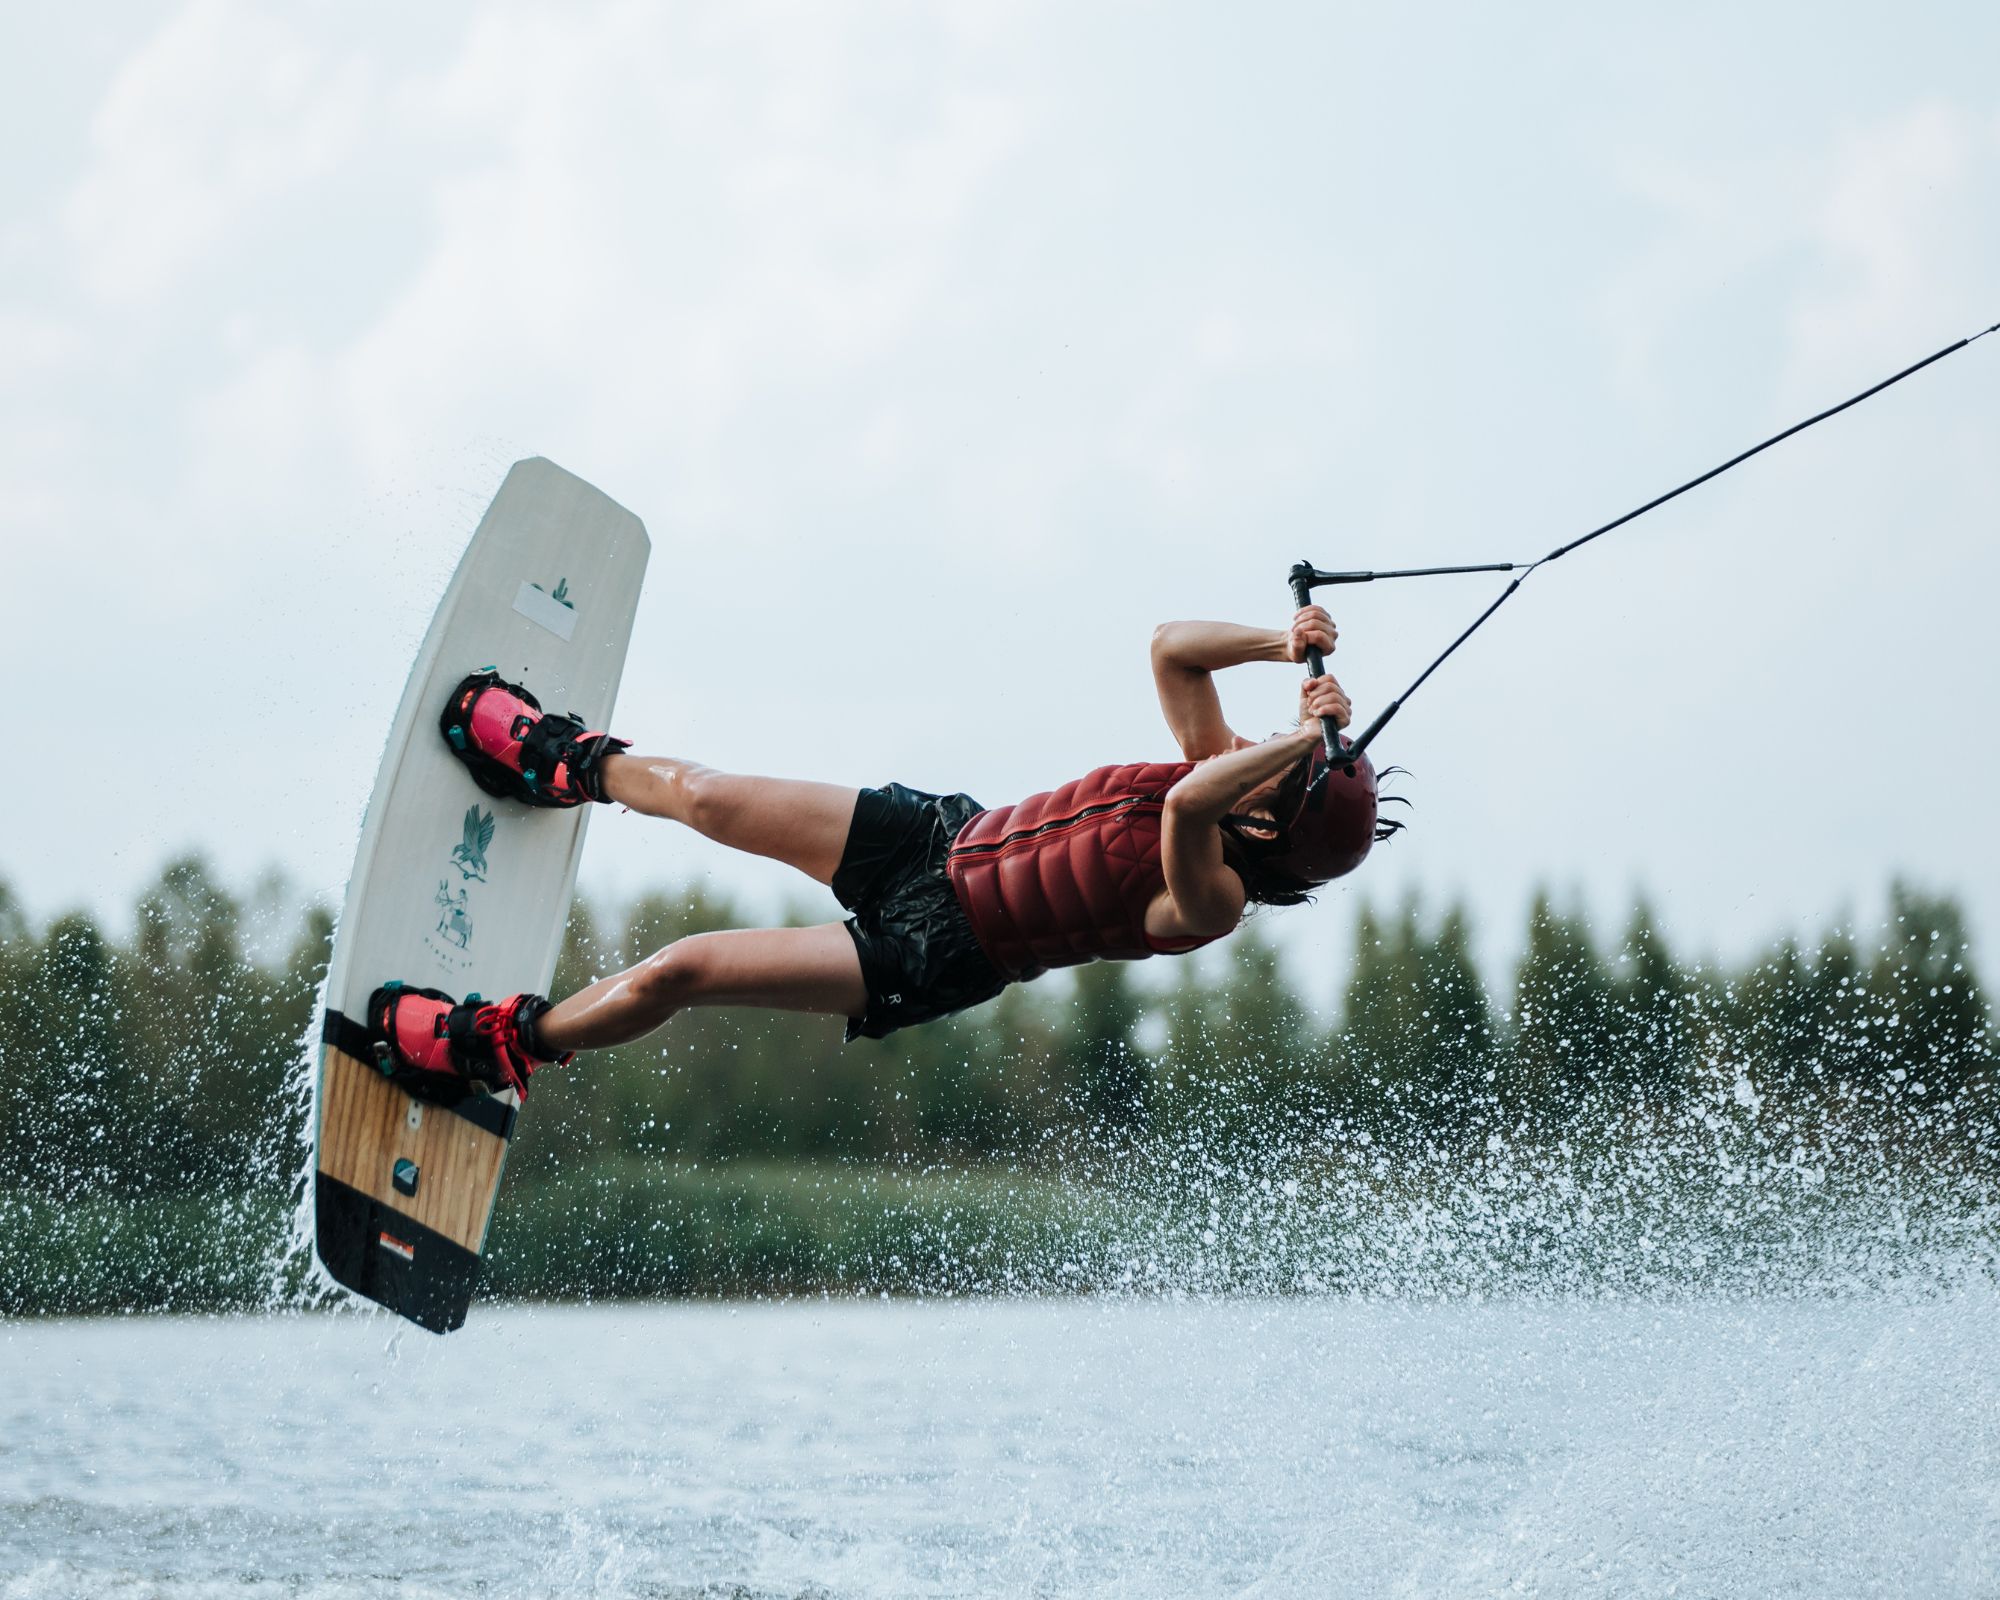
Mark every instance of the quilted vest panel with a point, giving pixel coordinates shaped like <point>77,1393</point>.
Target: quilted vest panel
<point>1066,877</point>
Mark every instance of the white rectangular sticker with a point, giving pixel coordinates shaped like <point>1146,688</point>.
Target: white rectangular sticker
<point>546,611</point>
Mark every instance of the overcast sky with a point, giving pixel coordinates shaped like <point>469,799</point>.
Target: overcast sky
<point>945,349</point>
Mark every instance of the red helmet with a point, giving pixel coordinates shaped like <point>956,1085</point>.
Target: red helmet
<point>1330,833</point>
<point>1325,820</point>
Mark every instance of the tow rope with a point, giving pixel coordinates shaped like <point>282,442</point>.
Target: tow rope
<point>1305,577</point>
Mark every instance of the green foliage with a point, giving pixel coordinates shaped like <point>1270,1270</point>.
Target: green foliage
<point>158,1066</point>
<point>1101,1041</point>
<point>148,1085</point>
<point>1419,1036</point>
<point>181,1252</point>
<point>1565,1026</point>
<point>1928,1003</point>
<point>644,1229</point>
<point>1650,1022</point>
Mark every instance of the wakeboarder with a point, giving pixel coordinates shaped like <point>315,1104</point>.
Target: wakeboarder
<point>948,901</point>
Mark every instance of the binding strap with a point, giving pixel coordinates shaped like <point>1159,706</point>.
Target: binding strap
<point>350,1038</point>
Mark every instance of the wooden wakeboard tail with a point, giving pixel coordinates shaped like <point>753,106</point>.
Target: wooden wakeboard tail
<point>393,1259</point>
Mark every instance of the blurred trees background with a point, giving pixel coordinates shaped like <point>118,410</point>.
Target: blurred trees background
<point>160,1059</point>
<point>163,1059</point>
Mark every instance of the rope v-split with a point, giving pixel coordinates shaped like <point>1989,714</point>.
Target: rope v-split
<point>1305,577</point>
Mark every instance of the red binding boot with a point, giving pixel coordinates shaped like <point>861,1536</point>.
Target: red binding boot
<point>443,1050</point>
<point>516,750</point>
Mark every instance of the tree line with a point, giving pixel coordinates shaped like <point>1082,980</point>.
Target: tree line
<point>165,1060</point>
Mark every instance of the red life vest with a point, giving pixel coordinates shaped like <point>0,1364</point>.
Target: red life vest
<point>1065,877</point>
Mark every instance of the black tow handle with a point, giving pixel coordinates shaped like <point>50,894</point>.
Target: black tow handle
<point>1303,576</point>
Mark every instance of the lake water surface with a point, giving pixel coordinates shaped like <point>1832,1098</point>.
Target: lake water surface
<point>1031,1447</point>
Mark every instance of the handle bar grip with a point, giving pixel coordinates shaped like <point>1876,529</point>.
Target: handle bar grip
<point>1301,580</point>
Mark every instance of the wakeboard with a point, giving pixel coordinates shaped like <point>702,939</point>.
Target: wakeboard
<point>454,889</point>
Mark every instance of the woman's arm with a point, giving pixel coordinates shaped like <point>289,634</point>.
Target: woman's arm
<point>1187,655</point>
<point>1204,897</point>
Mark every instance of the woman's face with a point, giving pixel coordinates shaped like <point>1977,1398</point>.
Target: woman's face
<point>1254,815</point>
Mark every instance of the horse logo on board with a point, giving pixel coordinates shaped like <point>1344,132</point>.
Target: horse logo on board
<point>454,923</point>
<point>470,855</point>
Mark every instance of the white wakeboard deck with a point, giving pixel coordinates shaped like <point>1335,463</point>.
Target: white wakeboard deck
<point>454,889</point>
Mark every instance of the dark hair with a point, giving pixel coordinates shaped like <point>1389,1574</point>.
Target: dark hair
<point>1264,885</point>
<point>1388,827</point>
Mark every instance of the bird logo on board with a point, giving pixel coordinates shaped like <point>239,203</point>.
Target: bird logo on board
<point>560,594</point>
<point>404,1175</point>
<point>470,855</point>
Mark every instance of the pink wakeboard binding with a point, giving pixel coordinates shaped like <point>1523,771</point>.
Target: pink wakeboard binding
<point>442,1050</point>
<point>516,750</point>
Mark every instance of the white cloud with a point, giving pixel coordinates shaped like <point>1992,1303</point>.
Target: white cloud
<point>225,107</point>
<point>664,227</point>
<point>35,347</point>
<point>1880,240</point>
<point>949,314</point>
<point>1906,225</point>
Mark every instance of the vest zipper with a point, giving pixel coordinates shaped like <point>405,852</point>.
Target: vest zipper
<point>1124,804</point>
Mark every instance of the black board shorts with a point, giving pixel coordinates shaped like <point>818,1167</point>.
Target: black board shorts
<point>919,956</point>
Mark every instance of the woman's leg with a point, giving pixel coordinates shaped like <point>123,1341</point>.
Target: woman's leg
<point>803,825</point>
<point>784,969</point>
